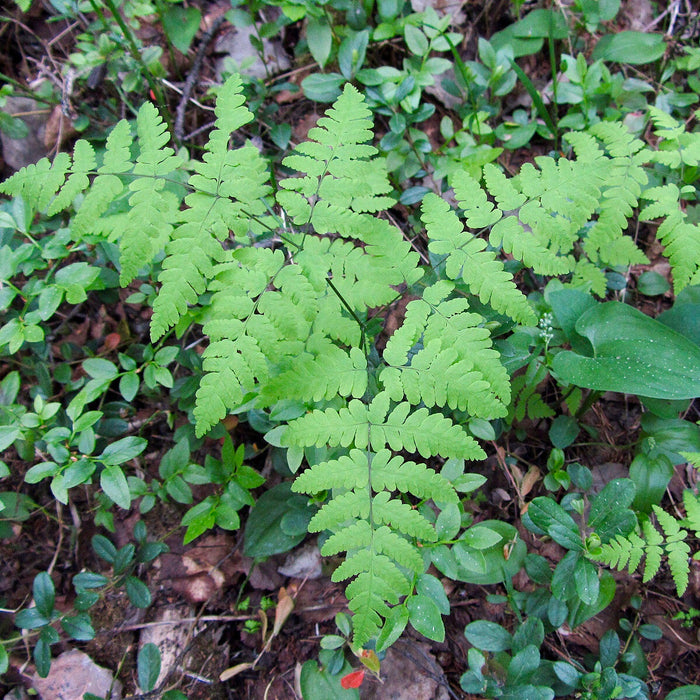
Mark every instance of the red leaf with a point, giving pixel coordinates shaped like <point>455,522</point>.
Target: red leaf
<point>353,680</point>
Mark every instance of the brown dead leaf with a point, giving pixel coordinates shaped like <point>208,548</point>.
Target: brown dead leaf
<point>529,481</point>
<point>111,342</point>
<point>285,605</point>
<point>199,572</point>
<point>303,126</point>
<point>59,129</point>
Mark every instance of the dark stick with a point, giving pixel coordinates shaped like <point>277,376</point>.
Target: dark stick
<point>192,78</point>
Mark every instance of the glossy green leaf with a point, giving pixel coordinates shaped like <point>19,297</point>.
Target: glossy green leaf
<point>394,625</point>
<point>319,38</point>
<point>650,476</point>
<point>587,583</point>
<point>114,484</point>
<point>264,535</point>
<point>488,636</point>
<point>318,683</point>
<point>652,284</point>
<point>44,594</point>
<point>523,665</point>
<point>609,514</point>
<point>78,627</point>
<point>633,354</point>
<point>180,25</point>
<point>630,47</point>
<point>547,515</point>
<point>424,616</point>
<point>480,537</point>
<point>138,592</point>
<point>322,87</point>
<point>563,431</point>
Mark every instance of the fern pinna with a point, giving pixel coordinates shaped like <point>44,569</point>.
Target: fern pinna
<point>651,544</point>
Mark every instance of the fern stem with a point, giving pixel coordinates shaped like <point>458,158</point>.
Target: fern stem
<point>349,309</point>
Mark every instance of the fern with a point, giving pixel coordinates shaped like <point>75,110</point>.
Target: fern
<point>376,532</point>
<point>228,189</point>
<point>293,317</point>
<point>374,425</point>
<point>650,546</point>
<point>466,258</point>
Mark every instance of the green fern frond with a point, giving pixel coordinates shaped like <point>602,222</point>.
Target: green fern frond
<point>621,188</point>
<point>375,529</point>
<point>153,209</point>
<point>467,259</point>
<point>651,547</point>
<point>83,164</point>
<point>386,473</point>
<point>322,372</point>
<point>362,426</point>
<point>229,187</point>
<point>236,357</point>
<point>691,502</point>
<point>38,183</point>
<point>360,538</point>
<point>456,365</point>
<point>338,168</point>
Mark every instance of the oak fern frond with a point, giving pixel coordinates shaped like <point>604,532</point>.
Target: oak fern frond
<point>376,530</point>
<point>651,547</point>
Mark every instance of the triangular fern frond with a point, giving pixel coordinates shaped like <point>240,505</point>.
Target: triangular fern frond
<point>374,528</point>
<point>451,361</point>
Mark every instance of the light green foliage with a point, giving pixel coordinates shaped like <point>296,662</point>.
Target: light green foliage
<point>555,208</point>
<point>456,365</point>
<point>228,187</point>
<point>652,543</point>
<point>375,529</point>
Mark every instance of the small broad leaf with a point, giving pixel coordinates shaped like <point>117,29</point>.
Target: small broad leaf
<point>44,594</point>
<point>319,684</point>
<point>587,583</point>
<point>138,592</point>
<point>548,516</point>
<point>181,25</point>
<point>264,534</point>
<point>480,537</point>
<point>123,450</point>
<point>487,636</point>
<point>30,619</point>
<point>78,627</point>
<point>630,47</point>
<point>651,476</point>
<point>319,38</point>
<point>424,615</point>
<point>322,87</point>
<point>114,484</point>
<point>394,625</point>
<point>523,665</point>
<point>148,667</point>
